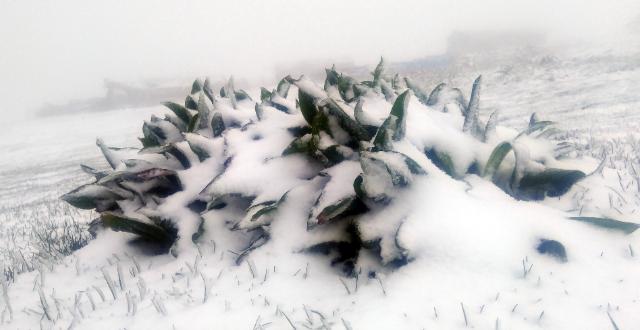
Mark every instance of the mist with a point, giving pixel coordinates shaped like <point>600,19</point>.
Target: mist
<point>56,51</point>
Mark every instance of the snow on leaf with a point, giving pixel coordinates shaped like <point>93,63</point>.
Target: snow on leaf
<point>473,109</point>
<point>145,230</point>
<point>92,196</point>
<point>607,223</point>
<point>495,159</point>
<point>179,110</point>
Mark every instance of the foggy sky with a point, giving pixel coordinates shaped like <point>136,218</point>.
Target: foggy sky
<point>51,51</point>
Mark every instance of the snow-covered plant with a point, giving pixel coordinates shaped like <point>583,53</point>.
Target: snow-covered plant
<point>348,144</point>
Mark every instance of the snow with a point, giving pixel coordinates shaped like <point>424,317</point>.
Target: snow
<point>471,246</point>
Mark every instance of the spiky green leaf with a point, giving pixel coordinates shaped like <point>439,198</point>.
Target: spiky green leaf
<point>193,123</point>
<point>347,206</point>
<point>148,231</point>
<point>490,128</point>
<point>552,182</point>
<point>91,196</point>
<point>443,161</point>
<point>217,124</point>
<point>179,110</point>
<point>473,109</point>
<point>190,103</point>
<point>495,159</point>
<point>307,106</point>
<point>206,88</point>
<point>434,97</point>
<point>417,91</point>
<point>265,94</point>
<point>607,223</point>
<point>283,88</point>
<point>196,87</point>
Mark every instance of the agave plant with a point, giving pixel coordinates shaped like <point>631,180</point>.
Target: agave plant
<point>163,191</point>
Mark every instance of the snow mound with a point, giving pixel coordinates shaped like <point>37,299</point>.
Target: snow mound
<point>447,221</point>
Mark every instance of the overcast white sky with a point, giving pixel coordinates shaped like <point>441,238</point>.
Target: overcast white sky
<point>51,51</point>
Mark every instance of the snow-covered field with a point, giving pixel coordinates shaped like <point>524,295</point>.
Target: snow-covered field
<point>475,263</point>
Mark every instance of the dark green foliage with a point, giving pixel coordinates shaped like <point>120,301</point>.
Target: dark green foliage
<point>417,91</point>
<point>260,214</point>
<point>159,232</point>
<point>196,236</point>
<point>435,94</point>
<point>399,110</point>
<point>442,161</point>
<point>280,107</point>
<point>384,136</point>
<point>306,144</point>
<point>92,171</point>
<point>169,149</point>
<point>378,72</point>
<point>329,135</point>
<point>376,169</point>
<point>198,149</point>
<point>495,159</point>
<point>179,110</point>
<point>206,88</point>
<point>343,83</point>
<point>474,168</point>
<point>358,187</point>
<point>355,130</point>
<point>153,135</point>
<point>231,93</point>
<point>533,185</point>
<point>472,112</point>
<point>190,103</point>
<point>394,127</point>
<point>203,113</point>
<point>242,95</point>
<point>607,223</point>
<point>348,206</point>
<point>283,88</point>
<point>535,125</point>
<point>259,109</point>
<point>298,131</point>
<point>193,122</point>
<point>308,107</point>
<point>343,252</point>
<point>217,124</point>
<point>180,125</point>
<point>108,153</point>
<point>490,128</point>
<point>92,196</point>
<point>196,87</point>
<point>552,248</point>
<point>551,182</point>
<point>360,118</point>
<point>265,94</point>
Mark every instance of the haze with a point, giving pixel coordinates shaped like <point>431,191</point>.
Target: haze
<point>52,51</point>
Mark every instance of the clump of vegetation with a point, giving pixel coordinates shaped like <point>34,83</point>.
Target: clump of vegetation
<point>355,162</point>
<point>44,234</point>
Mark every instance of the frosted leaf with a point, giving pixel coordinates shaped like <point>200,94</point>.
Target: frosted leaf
<point>112,155</point>
<point>490,128</point>
<point>417,91</point>
<point>283,88</point>
<point>203,113</point>
<point>473,109</point>
<point>336,197</point>
<point>231,93</point>
<point>384,172</point>
<point>92,196</point>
